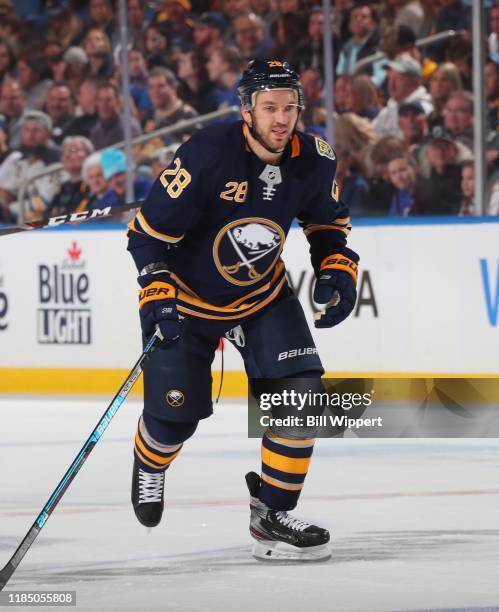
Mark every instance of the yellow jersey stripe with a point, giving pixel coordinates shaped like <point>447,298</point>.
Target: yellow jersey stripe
<point>155,234</point>
<point>241,314</point>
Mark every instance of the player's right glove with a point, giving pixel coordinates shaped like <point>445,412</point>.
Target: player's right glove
<point>336,287</point>
<point>158,306</point>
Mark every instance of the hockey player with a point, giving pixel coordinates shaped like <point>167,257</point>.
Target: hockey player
<point>207,244</point>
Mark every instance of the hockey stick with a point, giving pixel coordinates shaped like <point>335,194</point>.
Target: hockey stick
<point>71,218</point>
<point>75,467</point>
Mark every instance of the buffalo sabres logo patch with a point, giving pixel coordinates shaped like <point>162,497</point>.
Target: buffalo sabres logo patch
<point>247,249</point>
<point>175,398</point>
<point>324,149</point>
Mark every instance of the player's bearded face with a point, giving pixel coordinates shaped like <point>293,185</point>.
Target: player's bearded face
<point>274,117</point>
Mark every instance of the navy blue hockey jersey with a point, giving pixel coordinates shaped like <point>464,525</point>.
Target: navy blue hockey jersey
<point>219,216</point>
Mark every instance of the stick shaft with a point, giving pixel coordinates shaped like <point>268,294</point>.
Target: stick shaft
<point>71,218</point>
<point>79,460</point>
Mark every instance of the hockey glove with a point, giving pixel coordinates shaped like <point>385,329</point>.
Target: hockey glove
<point>158,306</point>
<point>335,287</point>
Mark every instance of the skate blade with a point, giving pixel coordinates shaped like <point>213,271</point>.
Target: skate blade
<point>285,553</point>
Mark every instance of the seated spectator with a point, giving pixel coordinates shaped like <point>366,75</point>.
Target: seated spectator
<point>12,107</point>
<point>53,57</point>
<point>363,42</point>
<point>492,92</point>
<point>7,59</point>
<point>137,23</point>
<point>492,151</point>
<point>233,8</point>
<point>413,124</point>
<point>168,108</point>
<point>208,33</point>
<point>467,207</point>
<point>407,14</point>
<point>195,87</point>
<point>175,19</point>
<point>74,194</point>
<point>286,30</point>
<point>33,78</point>
<point>381,190</point>
<point>109,128</point>
<point>10,25</point>
<point>454,15</point>
<point>76,70</point>
<point>459,52</point>
<point>362,97</point>
<point>341,21</point>
<point>162,158</point>
<point>402,175</point>
<point>4,144</point>
<point>100,17</point>
<point>63,26</point>
<point>249,36</point>
<point>98,49</point>
<point>342,93</point>
<point>266,9</point>
<point>493,39</point>
<point>94,179</point>
<point>289,6</point>
<point>404,85</point>
<point>445,80</point>
<point>311,82</point>
<point>60,108</point>
<point>85,113</point>
<point>157,47</point>
<point>113,163</point>
<point>309,53</point>
<point>353,136</point>
<point>34,155</point>
<point>458,117</point>
<point>492,206</point>
<point>429,25</point>
<point>225,67</point>
<point>440,193</point>
<point>139,89</point>
<point>401,40</point>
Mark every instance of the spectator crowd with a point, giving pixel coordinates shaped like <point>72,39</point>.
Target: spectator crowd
<point>404,120</point>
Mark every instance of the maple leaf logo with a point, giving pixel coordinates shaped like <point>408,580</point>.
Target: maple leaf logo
<point>74,252</point>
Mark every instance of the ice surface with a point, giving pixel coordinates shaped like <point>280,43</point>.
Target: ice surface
<point>415,523</point>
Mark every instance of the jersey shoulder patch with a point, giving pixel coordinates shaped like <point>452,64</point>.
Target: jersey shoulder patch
<point>323,148</point>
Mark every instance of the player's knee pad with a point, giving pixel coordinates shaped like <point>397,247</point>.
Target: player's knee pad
<point>169,432</point>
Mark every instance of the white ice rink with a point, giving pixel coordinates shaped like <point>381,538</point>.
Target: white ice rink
<point>415,523</point>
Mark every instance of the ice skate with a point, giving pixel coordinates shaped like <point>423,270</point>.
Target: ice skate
<point>147,495</point>
<point>279,535</point>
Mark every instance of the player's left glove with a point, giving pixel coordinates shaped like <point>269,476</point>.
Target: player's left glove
<point>158,306</point>
<point>336,287</point>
